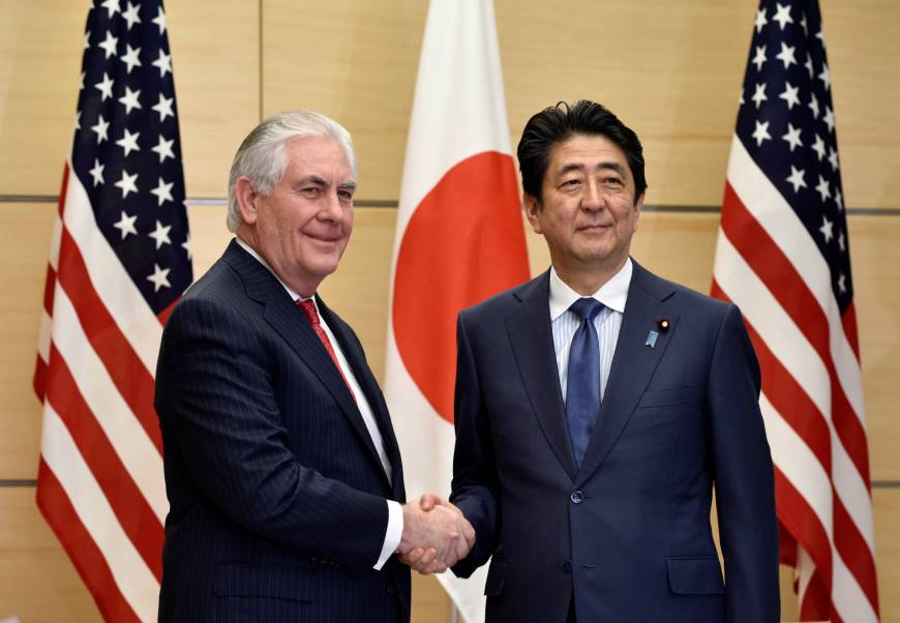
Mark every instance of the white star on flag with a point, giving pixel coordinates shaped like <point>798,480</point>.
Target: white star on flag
<point>161,234</point>
<point>783,15</point>
<point>128,183</point>
<point>790,95</point>
<point>164,63</point>
<point>126,225</point>
<point>97,172</point>
<point>160,20</point>
<point>101,128</point>
<point>105,87</point>
<point>159,278</point>
<point>826,229</point>
<point>131,57</point>
<point>128,142</point>
<point>131,15</point>
<point>822,188</point>
<point>825,76</point>
<point>760,57</point>
<point>164,107</point>
<point>829,119</point>
<point>163,191</point>
<point>761,133</point>
<point>186,245</point>
<point>819,147</point>
<point>130,100</point>
<point>793,137</point>
<point>164,148</point>
<point>796,178</point>
<point>786,55</point>
<point>759,95</point>
<point>109,44</point>
<point>112,6</point>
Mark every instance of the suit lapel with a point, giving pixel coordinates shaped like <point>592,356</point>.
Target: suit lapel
<point>633,364</point>
<point>357,360</point>
<point>283,316</point>
<point>532,342</point>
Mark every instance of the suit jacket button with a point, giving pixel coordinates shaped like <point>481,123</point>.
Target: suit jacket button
<point>391,591</point>
<point>567,567</point>
<point>577,497</point>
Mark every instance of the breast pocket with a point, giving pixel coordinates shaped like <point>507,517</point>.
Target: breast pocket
<point>667,397</point>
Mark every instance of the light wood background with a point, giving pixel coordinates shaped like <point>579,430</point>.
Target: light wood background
<point>671,70</point>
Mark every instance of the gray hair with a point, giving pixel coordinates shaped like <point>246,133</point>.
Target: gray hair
<point>262,156</point>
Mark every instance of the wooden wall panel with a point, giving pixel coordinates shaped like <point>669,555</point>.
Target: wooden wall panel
<point>215,54</point>
<point>37,581</point>
<point>25,248</point>
<point>671,71</point>
<point>40,60</point>
<point>215,49</point>
<point>352,60</point>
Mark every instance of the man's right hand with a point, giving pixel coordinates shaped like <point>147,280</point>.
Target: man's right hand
<point>435,536</point>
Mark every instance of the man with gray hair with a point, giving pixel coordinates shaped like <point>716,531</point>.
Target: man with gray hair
<point>282,468</point>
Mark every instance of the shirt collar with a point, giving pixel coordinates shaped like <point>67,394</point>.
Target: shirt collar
<point>612,294</point>
<point>294,296</point>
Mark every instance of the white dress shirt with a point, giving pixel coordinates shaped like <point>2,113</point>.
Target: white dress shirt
<point>608,322</point>
<point>395,512</point>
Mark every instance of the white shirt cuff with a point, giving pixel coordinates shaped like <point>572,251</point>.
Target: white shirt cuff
<point>392,535</point>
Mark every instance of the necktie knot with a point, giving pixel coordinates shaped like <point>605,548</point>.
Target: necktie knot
<point>586,308</point>
<point>309,310</point>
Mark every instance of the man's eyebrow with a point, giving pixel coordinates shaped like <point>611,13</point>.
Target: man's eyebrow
<point>312,179</point>
<point>608,164</point>
<point>348,185</point>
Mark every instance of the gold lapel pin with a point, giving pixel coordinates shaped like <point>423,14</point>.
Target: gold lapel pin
<point>663,325</point>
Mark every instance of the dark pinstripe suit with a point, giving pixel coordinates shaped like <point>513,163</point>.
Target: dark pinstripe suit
<point>277,494</point>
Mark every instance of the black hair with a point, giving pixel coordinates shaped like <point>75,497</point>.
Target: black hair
<point>559,123</point>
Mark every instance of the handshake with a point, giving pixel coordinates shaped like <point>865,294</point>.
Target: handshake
<point>435,535</point>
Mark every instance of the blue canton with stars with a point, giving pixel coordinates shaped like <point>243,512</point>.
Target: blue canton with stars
<point>127,151</point>
<point>786,123</point>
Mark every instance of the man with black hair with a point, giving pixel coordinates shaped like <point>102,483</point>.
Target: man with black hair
<point>598,405</point>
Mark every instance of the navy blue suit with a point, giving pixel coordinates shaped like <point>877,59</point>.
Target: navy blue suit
<point>277,494</point>
<point>629,532</point>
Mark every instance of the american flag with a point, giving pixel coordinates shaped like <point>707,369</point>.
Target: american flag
<point>119,260</point>
<point>783,256</point>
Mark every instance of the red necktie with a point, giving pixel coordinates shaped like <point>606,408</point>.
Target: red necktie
<point>309,310</point>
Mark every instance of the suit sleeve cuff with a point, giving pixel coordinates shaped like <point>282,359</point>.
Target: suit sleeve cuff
<point>393,533</point>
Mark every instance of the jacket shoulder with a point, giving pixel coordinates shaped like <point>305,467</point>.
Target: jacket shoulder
<point>502,304</point>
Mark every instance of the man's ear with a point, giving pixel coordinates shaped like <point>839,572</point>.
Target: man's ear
<point>638,208</point>
<point>246,197</point>
<point>532,210</point>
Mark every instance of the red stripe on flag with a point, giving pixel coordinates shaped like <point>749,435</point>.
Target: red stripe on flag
<point>792,402</point>
<point>61,203</point>
<point>848,320</point>
<point>463,243</point>
<point>80,546</point>
<point>780,276</point>
<point>49,289</point>
<point>39,381</point>
<point>128,503</point>
<point>816,605</point>
<point>127,371</point>
<point>855,553</point>
<point>798,517</point>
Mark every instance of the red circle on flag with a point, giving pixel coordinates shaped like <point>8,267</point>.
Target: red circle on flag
<point>464,243</point>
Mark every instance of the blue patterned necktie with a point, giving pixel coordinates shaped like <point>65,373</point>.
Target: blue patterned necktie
<point>583,386</point>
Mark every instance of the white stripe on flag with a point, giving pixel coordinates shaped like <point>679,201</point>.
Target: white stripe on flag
<point>128,438</point>
<point>113,285</point>
<point>134,579</point>
<point>788,344</point>
<point>774,214</point>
